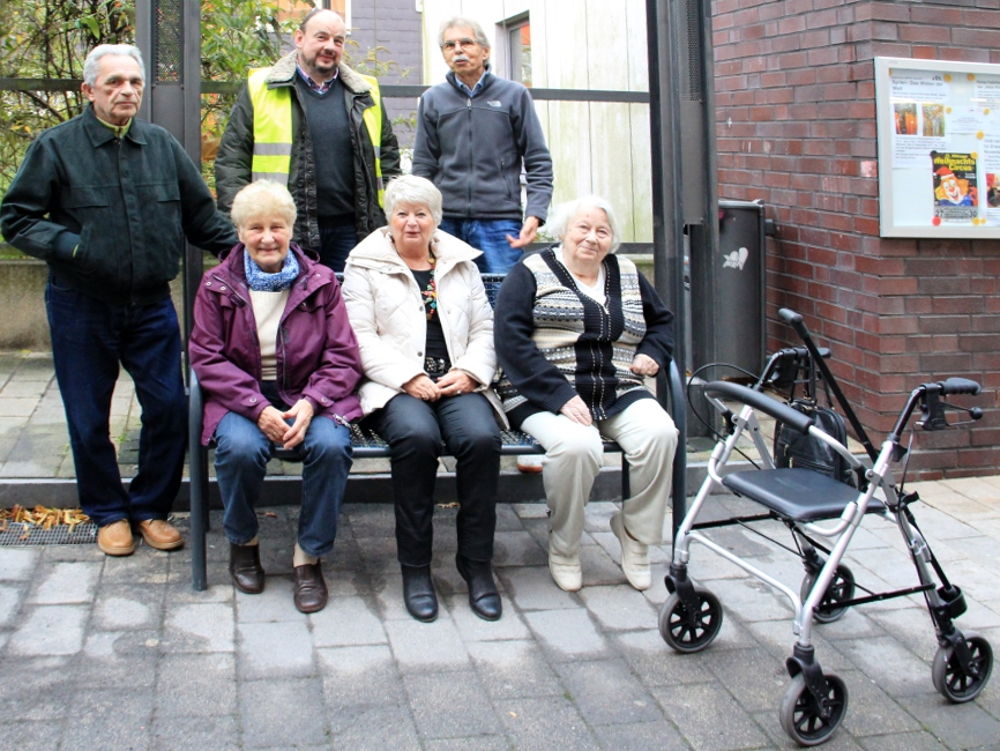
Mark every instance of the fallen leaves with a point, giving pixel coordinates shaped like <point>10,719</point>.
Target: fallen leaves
<point>41,517</point>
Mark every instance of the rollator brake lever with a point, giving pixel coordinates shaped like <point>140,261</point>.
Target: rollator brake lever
<point>935,413</point>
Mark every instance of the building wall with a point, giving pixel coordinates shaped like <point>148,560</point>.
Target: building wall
<point>794,88</point>
<point>394,29</point>
<point>596,147</point>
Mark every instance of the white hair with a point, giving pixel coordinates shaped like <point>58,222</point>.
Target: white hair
<point>93,62</point>
<point>416,190</point>
<point>565,213</point>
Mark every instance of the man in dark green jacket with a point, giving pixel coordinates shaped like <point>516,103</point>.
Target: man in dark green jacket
<point>106,200</point>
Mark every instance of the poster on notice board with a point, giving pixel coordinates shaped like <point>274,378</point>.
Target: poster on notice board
<point>938,148</point>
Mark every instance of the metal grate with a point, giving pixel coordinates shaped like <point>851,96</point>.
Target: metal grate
<point>168,42</point>
<point>21,533</point>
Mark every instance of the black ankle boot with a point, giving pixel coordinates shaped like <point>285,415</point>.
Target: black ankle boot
<point>418,593</point>
<point>483,596</point>
<point>245,568</point>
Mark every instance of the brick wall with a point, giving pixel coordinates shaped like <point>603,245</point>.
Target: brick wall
<point>796,126</point>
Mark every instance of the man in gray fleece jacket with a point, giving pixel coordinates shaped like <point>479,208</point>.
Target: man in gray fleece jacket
<point>475,132</point>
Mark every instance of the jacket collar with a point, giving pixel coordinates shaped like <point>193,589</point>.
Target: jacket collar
<point>376,252</point>
<point>283,74</point>
<point>99,133</point>
<point>310,278</point>
<point>487,79</point>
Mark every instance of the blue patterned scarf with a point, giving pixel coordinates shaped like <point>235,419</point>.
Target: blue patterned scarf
<point>261,281</point>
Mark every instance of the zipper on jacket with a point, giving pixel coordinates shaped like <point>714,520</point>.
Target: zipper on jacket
<point>471,167</point>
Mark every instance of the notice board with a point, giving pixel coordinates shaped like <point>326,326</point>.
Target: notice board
<point>938,148</point>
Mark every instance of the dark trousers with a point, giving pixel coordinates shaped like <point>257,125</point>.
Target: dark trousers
<point>415,430</point>
<point>90,339</point>
<point>337,239</point>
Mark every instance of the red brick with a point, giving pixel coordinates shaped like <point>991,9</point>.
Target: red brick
<point>976,37</point>
<point>928,34</point>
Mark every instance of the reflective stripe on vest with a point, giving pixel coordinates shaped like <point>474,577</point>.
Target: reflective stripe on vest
<point>372,118</point>
<point>272,129</point>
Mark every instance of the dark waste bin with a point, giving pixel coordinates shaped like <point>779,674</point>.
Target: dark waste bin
<point>727,321</point>
<point>727,293</point>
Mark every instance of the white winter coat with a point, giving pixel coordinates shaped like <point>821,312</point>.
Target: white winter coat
<point>387,314</point>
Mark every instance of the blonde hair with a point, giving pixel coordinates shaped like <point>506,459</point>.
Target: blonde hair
<point>262,198</point>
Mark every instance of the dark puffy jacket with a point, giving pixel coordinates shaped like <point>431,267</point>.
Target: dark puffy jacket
<point>235,156</point>
<point>317,353</point>
<point>110,215</point>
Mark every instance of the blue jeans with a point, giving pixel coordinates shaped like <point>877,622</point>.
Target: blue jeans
<point>337,240</point>
<point>489,236</point>
<point>414,430</point>
<point>241,455</point>
<point>91,338</point>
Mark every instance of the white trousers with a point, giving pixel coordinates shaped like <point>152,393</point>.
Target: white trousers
<point>573,457</point>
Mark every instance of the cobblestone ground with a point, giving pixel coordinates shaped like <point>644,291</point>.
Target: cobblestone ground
<point>98,652</point>
<point>102,653</point>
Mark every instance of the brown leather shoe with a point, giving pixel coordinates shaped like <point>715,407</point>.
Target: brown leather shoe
<point>160,534</point>
<point>116,538</point>
<point>310,590</point>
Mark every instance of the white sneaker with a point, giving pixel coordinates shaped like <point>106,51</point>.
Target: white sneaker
<point>530,463</point>
<point>635,556</point>
<point>566,572</point>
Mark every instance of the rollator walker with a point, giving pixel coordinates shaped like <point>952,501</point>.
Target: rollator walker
<point>814,506</point>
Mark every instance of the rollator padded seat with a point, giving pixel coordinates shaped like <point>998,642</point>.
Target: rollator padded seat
<point>801,495</point>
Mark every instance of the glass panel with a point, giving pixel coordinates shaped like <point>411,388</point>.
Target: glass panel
<point>519,41</point>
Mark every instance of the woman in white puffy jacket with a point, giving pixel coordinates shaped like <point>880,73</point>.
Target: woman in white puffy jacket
<point>425,328</point>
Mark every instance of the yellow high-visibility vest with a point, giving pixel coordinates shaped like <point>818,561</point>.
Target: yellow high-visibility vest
<point>272,129</point>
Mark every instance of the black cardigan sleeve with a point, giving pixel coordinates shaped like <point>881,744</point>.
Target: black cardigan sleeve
<point>659,340</point>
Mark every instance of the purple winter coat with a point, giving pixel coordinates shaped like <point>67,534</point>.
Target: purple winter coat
<point>317,353</point>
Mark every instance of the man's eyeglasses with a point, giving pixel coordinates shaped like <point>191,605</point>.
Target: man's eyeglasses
<point>454,44</point>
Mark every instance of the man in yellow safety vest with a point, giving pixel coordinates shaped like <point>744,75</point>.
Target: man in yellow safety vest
<point>317,126</point>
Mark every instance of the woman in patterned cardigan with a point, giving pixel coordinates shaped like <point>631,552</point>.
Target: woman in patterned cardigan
<point>577,329</point>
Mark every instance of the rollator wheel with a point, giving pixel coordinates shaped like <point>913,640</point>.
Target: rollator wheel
<point>841,589</point>
<point>690,634</point>
<point>801,717</point>
<point>956,683</point>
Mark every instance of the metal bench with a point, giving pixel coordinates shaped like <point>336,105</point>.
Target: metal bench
<point>368,445</point>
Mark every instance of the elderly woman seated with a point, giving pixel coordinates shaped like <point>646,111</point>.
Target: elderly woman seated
<point>425,328</point>
<point>278,364</point>
<point>577,330</point>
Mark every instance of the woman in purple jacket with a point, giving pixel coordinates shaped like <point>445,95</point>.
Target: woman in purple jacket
<point>278,364</point>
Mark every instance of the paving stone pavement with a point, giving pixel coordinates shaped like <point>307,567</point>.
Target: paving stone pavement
<point>115,653</point>
<point>104,653</point>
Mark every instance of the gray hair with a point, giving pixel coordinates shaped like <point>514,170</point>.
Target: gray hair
<point>567,212</point>
<point>93,62</point>
<point>413,189</point>
<point>262,198</point>
<point>458,22</point>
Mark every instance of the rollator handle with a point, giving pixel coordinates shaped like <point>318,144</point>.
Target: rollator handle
<point>958,386</point>
<point>798,421</point>
<point>789,316</point>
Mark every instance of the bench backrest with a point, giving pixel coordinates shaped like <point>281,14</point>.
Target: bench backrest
<point>491,282</point>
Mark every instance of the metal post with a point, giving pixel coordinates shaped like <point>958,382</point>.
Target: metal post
<point>169,34</point>
<point>668,223</point>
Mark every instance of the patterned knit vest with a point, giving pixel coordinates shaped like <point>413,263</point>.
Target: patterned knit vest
<point>590,344</point>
